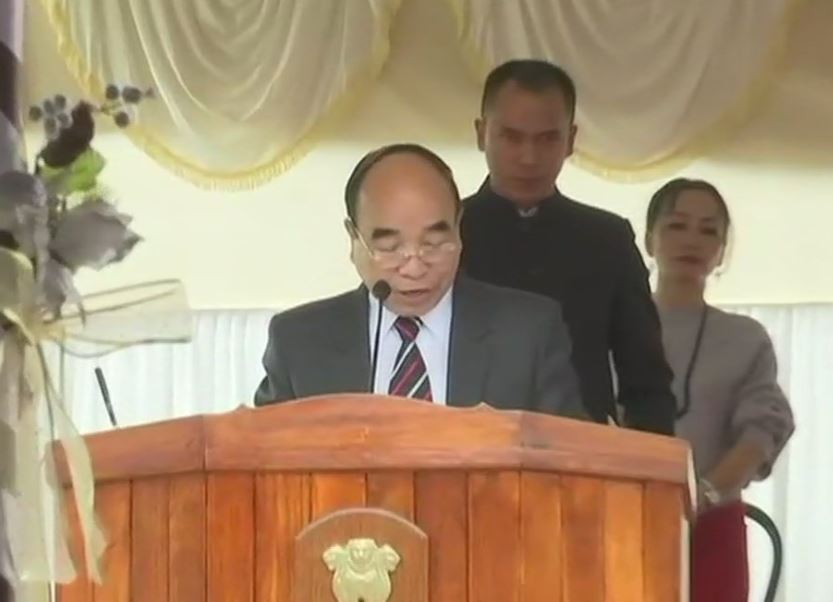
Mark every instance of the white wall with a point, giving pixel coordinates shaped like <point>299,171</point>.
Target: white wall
<point>283,243</point>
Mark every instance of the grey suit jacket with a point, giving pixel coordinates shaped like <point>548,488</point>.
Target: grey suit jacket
<point>507,348</point>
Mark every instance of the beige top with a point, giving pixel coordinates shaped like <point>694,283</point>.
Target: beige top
<point>734,392</point>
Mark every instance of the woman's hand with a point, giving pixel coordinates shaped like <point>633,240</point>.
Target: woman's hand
<point>708,496</point>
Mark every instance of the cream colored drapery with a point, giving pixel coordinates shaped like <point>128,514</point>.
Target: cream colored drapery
<point>246,87</point>
<point>659,81</point>
<point>243,86</point>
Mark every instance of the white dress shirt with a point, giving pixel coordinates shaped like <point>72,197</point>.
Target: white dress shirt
<point>432,341</point>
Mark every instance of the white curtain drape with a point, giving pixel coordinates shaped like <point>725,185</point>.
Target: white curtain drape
<point>220,369</point>
<point>659,81</point>
<point>799,494</point>
<point>243,88</point>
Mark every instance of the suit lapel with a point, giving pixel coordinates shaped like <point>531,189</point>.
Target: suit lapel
<point>468,357</point>
<point>350,368</point>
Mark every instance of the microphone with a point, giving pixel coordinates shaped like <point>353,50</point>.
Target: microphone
<point>105,395</point>
<point>380,290</point>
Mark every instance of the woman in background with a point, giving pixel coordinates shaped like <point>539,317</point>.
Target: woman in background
<point>730,407</point>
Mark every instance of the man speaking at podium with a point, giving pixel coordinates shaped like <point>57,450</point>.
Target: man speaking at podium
<point>442,337</point>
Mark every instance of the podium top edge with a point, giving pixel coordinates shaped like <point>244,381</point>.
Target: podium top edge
<point>372,432</point>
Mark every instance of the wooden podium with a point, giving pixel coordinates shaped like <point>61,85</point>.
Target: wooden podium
<point>373,499</point>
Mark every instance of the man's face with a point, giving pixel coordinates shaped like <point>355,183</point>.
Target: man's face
<point>527,136</point>
<point>406,233</point>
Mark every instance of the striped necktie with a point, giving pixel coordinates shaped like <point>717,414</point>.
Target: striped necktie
<point>410,376</point>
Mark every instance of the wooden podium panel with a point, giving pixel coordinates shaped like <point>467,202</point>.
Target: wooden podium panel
<point>465,504</point>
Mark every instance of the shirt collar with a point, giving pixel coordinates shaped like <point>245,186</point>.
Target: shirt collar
<point>436,321</point>
<point>487,189</point>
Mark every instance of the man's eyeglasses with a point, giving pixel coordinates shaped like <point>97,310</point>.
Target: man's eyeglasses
<point>428,253</point>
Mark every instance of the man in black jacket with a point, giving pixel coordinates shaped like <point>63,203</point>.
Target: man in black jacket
<point>519,231</point>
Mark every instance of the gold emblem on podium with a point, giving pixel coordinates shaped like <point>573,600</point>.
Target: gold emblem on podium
<point>361,570</point>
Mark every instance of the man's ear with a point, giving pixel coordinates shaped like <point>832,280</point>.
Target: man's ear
<point>649,244</point>
<point>480,132</point>
<point>571,141</point>
<point>352,235</point>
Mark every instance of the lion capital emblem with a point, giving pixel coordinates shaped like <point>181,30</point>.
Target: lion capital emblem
<point>361,570</point>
